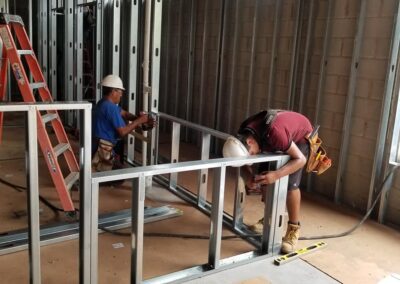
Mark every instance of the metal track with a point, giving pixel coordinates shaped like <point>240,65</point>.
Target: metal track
<point>18,240</point>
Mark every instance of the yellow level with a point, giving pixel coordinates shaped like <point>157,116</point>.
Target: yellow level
<point>300,252</point>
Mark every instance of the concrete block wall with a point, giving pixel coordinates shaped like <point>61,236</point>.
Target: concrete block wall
<point>235,81</point>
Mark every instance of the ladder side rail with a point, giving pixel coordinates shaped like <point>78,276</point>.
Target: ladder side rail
<point>23,83</point>
<point>3,86</point>
<point>54,167</point>
<point>16,64</point>
<point>33,63</point>
<point>44,92</point>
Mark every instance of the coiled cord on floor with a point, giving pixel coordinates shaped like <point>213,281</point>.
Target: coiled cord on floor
<point>330,236</point>
<point>187,236</point>
<point>369,211</point>
<point>41,198</point>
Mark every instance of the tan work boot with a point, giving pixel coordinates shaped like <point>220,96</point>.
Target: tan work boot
<point>289,241</point>
<point>258,227</point>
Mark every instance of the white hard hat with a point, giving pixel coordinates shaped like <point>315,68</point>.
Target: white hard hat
<point>112,81</point>
<point>234,148</point>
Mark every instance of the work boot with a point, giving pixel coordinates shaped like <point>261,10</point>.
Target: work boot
<point>289,241</point>
<point>258,227</point>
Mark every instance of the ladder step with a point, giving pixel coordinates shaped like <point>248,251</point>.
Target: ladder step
<point>25,52</point>
<point>61,148</point>
<point>49,117</point>
<point>37,85</point>
<point>71,179</point>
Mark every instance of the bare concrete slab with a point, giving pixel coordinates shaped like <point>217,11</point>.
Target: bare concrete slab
<point>265,272</point>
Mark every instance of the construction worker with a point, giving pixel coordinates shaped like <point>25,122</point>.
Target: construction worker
<point>109,123</point>
<point>275,131</point>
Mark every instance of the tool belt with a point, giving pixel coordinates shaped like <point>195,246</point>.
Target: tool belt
<point>103,159</point>
<point>318,161</point>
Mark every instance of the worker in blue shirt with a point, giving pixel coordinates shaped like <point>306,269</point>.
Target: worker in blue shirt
<point>109,123</point>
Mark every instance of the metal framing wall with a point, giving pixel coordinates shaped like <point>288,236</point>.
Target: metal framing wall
<point>304,60</point>
<point>263,60</point>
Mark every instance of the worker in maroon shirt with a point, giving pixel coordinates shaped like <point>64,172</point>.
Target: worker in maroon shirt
<point>276,131</point>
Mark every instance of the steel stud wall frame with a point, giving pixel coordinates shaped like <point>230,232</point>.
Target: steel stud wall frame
<point>274,209</point>
<point>33,185</point>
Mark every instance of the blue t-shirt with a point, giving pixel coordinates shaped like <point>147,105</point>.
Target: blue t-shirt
<point>106,119</point>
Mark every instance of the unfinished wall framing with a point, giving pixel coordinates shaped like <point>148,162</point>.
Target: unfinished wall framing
<point>223,60</point>
<point>326,59</point>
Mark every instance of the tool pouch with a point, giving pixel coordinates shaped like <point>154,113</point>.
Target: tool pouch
<point>103,159</point>
<point>318,162</point>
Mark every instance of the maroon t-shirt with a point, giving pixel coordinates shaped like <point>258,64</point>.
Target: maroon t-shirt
<point>287,127</point>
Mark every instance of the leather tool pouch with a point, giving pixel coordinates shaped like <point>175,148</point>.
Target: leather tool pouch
<point>103,159</point>
<point>318,161</point>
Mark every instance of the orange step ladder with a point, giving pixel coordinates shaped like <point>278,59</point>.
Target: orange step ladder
<point>14,52</point>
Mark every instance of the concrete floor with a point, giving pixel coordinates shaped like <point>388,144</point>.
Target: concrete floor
<point>368,255</point>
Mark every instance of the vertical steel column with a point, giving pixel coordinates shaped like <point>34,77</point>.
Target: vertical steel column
<point>33,197</point>
<point>4,6</point>
<point>42,36</point>
<point>99,47</point>
<point>322,77</point>
<point>146,68</point>
<point>274,52</point>
<point>385,195</point>
<point>219,96</point>
<point>306,55</point>
<point>378,165</point>
<point>178,60</point>
<point>94,234</point>
<point>203,174</point>
<point>155,71</point>
<point>167,61</point>
<point>138,196</point>
<point>350,101</point>
<point>252,58</point>
<point>176,134</point>
<point>132,70</point>
<point>203,62</point>
<point>69,55</point>
<point>275,204</point>
<point>85,194</point>
<point>295,54</point>
<point>79,52</point>
<point>239,200</point>
<point>217,210</point>
<point>53,49</point>
<point>30,18</point>
<point>192,46</point>
<point>116,25</point>
<point>232,90</point>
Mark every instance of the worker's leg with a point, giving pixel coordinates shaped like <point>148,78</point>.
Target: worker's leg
<point>293,205</point>
<point>293,201</point>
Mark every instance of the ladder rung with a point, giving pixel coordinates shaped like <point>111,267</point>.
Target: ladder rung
<point>49,117</point>
<point>61,148</point>
<point>25,52</point>
<point>71,179</point>
<point>37,85</point>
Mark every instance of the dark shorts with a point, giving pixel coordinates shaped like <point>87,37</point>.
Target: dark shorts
<point>294,178</point>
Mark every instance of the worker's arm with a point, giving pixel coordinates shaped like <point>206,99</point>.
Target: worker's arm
<point>296,162</point>
<point>148,124</point>
<point>246,172</point>
<point>123,131</point>
<point>128,116</point>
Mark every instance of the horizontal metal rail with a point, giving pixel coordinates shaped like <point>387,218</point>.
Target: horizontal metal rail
<point>266,246</point>
<point>194,126</point>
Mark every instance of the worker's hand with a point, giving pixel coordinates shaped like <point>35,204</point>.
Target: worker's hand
<point>142,118</point>
<point>252,184</point>
<point>266,178</point>
<point>149,123</point>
